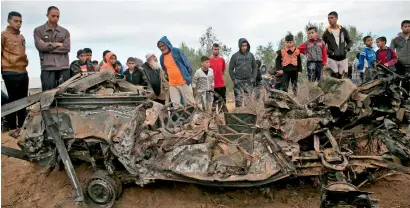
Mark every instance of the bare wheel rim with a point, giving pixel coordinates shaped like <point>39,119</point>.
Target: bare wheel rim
<point>100,191</point>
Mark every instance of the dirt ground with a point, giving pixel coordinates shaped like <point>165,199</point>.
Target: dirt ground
<point>26,185</point>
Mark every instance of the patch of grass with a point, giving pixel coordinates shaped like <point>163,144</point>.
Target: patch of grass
<point>307,91</point>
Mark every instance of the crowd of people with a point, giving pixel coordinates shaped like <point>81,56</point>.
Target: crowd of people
<point>171,76</point>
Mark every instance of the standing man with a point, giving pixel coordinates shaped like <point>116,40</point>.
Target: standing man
<point>338,44</point>
<point>217,63</point>
<point>154,76</point>
<point>176,65</point>
<point>401,44</point>
<point>13,67</point>
<point>243,71</point>
<point>53,44</point>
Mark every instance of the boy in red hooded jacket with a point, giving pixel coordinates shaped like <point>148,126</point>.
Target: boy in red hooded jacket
<point>315,51</point>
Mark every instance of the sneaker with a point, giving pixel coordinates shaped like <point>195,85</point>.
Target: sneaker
<point>15,134</point>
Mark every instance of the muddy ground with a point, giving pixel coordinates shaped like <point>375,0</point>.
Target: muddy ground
<point>26,185</point>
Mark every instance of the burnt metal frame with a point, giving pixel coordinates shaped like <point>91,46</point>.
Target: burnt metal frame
<point>100,100</point>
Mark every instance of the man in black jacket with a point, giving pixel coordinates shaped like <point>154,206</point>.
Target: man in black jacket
<point>338,44</point>
<point>243,71</point>
<point>153,75</point>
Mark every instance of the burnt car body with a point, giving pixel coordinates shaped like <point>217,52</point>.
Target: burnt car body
<point>128,139</point>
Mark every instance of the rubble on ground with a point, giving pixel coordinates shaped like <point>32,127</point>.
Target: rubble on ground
<point>377,110</point>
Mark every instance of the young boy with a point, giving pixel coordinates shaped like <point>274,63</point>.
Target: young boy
<point>89,54</point>
<point>81,65</point>
<point>266,77</point>
<point>259,74</point>
<point>203,84</point>
<point>13,68</point>
<point>369,55</point>
<point>316,54</point>
<point>288,65</point>
<point>133,74</point>
<point>385,55</point>
<point>357,76</point>
<point>217,63</point>
<point>95,64</point>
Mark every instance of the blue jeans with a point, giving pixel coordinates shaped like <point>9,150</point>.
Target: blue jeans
<point>314,70</point>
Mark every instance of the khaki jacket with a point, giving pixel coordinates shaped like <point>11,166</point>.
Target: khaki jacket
<point>13,51</point>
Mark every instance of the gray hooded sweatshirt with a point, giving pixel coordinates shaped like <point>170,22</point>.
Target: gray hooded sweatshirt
<point>402,47</point>
<point>242,66</point>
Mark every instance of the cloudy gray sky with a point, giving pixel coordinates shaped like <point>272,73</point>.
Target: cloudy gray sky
<point>132,28</point>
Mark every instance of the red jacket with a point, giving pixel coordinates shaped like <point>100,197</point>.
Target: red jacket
<point>386,56</point>
<point>305,47</point>
<point>218,65</point>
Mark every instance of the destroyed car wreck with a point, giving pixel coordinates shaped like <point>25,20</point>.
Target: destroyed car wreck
<point>343,132</point>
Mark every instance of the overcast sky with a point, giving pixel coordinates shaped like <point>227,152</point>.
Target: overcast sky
<point>132,28</point>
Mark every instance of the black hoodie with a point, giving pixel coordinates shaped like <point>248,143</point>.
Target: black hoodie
<point>335,52</point>
<point>242,66</point>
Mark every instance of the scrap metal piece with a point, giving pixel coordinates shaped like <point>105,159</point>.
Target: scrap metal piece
<point>116,99</point>
<point>337,91</point>
<point>298,129</point>
<point>341,193</point>
<point>30,100</point>
<point>11,152</point>
<point>53,132</point>
<point>339,167</point>
<point>89,81</point>
<point>283,96</point>
<point>20,104</point>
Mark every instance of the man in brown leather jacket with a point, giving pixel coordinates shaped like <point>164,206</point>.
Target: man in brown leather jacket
<point>13,66</point>
<point>53,44</point>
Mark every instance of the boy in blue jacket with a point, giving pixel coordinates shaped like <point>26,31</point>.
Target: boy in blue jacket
<point>369,55</point>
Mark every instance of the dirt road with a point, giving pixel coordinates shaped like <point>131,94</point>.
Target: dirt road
<point>26,185</point>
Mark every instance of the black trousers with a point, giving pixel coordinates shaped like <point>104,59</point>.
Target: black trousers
<point>17,88</point>
<point>290,77</point>
<point>221,91</point>
<point>404,70</point>
<point>51,79</point>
